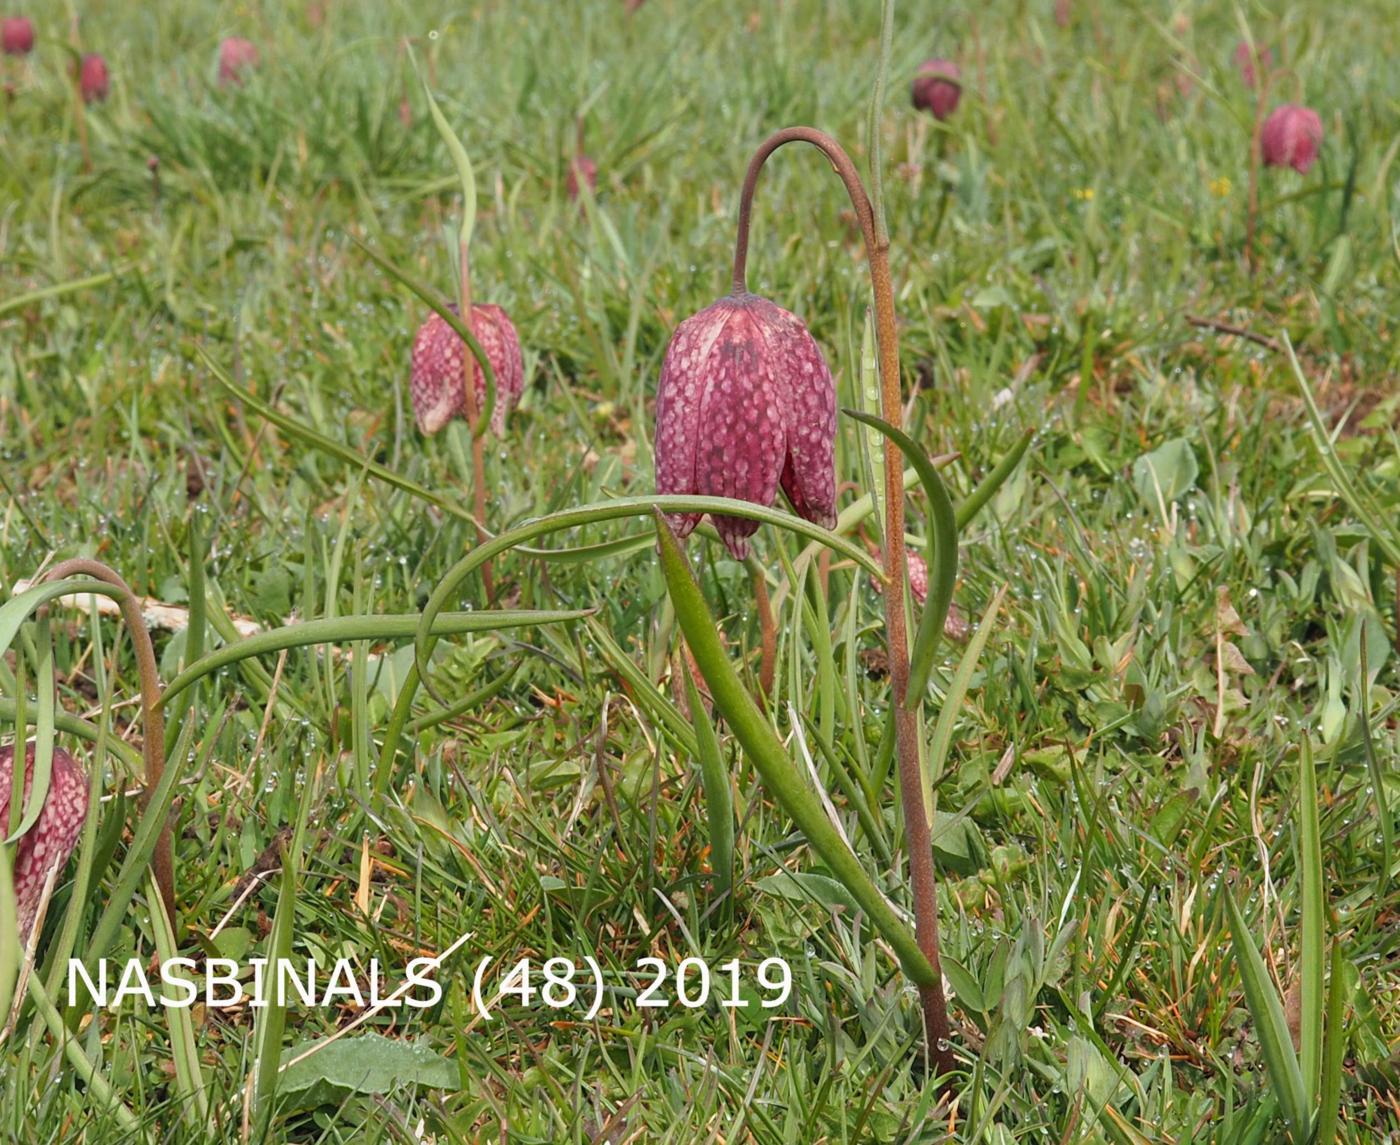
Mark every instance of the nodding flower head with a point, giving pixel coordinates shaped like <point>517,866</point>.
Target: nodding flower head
<point>16,36</point>
<point>1291,137</point>
<point>237,56</point>
<point>745,405</point>
<point>45,847</point>
<point>1251,61</point>
<point>582,170</point>
<point>92,78</point>
<point>438,380</point>
<point>937,88</point>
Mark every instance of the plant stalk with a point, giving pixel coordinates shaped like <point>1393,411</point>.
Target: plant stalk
<point>478,445</point>
<point>916,823</point>
<point>152,717</point>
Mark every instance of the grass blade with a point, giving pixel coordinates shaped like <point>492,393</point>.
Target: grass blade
<point>770,758</point>
<point>942,555</point>
<point>1271,1027</point>
<point>1314,930</point>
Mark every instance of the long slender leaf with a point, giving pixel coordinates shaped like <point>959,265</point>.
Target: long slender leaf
<point>942,742</point>
<point>336,449</point>
<point>942,556</point>
<point>1334,1051</point>
<point>1313,942</point>
<point>348,629</point>
<point>763,747</point>
<point>719,804</point>
<point>1271,1028</point>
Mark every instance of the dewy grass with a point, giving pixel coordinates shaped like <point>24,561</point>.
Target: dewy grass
<point>1069,273</point>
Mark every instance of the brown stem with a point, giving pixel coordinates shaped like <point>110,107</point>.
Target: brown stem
<point>916,824</point>
<point>478,445</point>
<point>152,720</point>
<point>768,632</point>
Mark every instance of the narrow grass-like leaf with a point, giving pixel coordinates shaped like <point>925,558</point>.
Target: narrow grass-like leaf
<point>272,1019</point>
<point>611,511</point>
<point>1313,943</point>
<point>59,289</point>
<point>770,758</point>
<point>1373,765</point>
<point>719,804</point>
<point>942,556</point>
<point>466,177</point>
<point>349,629</point>
<point>339,450</point>
<point>9,935</point>
<point>987,488</point>
<point>1334,1050</point>
<point>92,1077</point>
<point>939,746</point>
<point>1271,1028</point>
<point>1378,523</point>
<point>184,1053</point>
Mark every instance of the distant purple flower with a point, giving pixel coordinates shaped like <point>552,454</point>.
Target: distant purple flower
<point>16,36</point>
<point>581,170</point>
<point>236,57</point>
<point>937,88</point>
<point>1291,137</point>
<point>745,405</point>
<point>1251,62</point>
<point>437,384</point>
<point>92,78</point>
<point>45,847</point>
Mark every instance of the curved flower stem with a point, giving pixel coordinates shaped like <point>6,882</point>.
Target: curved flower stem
<point>478,432</point>
<point>916,823</point>
<point>152,719</point>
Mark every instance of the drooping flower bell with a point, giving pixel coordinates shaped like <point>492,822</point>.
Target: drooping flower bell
<point>1291,137</point>
<point>1251,61</point>
<point>16,36</point>
<point>746,404</point>
<point>237,57</point>
<point>45,847</point>
<point>438,380</point>
<point>92,78</point>
<point>937,88</point>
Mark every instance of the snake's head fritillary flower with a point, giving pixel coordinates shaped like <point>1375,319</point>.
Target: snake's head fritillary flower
<point>45,847</point>
<point>1291,137</point>
<point>237,57</point>
<point>16,36</point>
<point>438,380</point>
<point>582,170</point>
<point>937,88</point>
<point>746,405</point>
<point>92,78</point>
<point>1251,61</point>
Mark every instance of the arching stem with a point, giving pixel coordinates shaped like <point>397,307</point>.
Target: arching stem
<point>916,825</point>
<point>152,720</point>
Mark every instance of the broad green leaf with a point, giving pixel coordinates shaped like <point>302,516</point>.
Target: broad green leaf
<point>330,1070</point>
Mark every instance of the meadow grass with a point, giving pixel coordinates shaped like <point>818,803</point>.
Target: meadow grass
<point>1187,598</point>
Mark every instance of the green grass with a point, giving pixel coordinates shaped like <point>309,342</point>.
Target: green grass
<point>1107,788</point>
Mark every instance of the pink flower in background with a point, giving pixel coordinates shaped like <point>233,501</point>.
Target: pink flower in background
<point>1291,137</point>
<point>236,58</point>
<point>1251,62</point>
<point>16,36</point>
<point>45,847</point>
<point>937,88</point>
<point>92,78</point>
<point>746,405</point>
<point>438,381</point>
